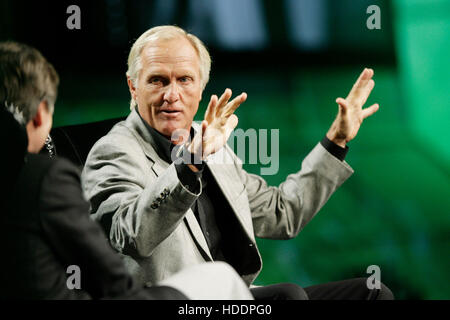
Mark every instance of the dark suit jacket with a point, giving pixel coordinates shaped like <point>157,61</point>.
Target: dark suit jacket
<point>46,228</point>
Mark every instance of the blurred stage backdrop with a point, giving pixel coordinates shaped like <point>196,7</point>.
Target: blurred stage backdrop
<point>293,58</point>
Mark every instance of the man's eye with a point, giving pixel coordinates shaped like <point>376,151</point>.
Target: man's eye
<point>155,80</point>
<point>185,79</point>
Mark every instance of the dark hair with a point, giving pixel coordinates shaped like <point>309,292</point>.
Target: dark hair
<point>26,79</point>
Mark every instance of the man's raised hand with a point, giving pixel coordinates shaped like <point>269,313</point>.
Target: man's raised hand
<point>351,114</point>
<point>218,124</point>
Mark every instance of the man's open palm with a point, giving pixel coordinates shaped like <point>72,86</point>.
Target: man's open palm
<point>351,114</point>
<point>219,122</point>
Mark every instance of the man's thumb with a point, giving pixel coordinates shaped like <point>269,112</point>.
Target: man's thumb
<point>342,104</point>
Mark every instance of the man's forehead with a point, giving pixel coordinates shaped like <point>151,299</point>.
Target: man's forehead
<point>173,51</point>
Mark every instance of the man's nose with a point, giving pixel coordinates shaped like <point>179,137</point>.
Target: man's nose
<point>172,93</point>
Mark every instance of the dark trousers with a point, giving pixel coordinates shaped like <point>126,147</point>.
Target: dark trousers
<point>352,289</point>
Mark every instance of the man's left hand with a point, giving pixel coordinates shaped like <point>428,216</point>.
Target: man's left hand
<point>351,114</point>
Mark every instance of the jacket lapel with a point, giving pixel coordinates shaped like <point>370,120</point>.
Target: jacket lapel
<point>231,186</point>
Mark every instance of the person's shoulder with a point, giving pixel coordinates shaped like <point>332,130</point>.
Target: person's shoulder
<point>59,166</point>
<point>37,158</point>
<point>120,143</point>
<point>34,169</point>
<point>40,170</point>
<point>33,159</point>
<point>43,164</point>
<point>37,163</point>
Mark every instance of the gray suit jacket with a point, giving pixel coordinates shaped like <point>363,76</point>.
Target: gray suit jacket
<point>139,200</point>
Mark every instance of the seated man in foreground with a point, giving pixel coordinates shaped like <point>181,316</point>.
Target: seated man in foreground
<point>164,212</point>
<point>47,231</point>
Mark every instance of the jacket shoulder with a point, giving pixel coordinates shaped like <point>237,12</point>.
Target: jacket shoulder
<point>119,139</point>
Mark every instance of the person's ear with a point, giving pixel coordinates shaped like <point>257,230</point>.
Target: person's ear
<point>131,87</point>
<point>38,118</point>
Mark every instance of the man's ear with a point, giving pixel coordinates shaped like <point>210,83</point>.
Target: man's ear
<point>38,118</point>
<point>131,87</point>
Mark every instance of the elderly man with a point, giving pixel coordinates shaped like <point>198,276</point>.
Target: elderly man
<point>47,234</point>
<point>172,194</point>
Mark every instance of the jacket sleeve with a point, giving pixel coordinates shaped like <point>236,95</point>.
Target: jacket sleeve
<point>138,208</point>
<point>78,240</point>
<point>281,212</point>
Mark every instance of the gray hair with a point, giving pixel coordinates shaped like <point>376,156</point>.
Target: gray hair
<point>166,33</point>
<point>26,79</point>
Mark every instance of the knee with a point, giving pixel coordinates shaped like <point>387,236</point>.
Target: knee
<point>223,269</point>
<point>223,272</point>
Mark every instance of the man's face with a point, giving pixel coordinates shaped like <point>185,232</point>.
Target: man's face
<point>169,88</point>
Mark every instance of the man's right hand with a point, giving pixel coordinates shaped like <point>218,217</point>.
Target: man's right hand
<point>219,122</point>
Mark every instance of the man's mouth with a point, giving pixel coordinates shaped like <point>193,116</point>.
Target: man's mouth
<point>170,112</point>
